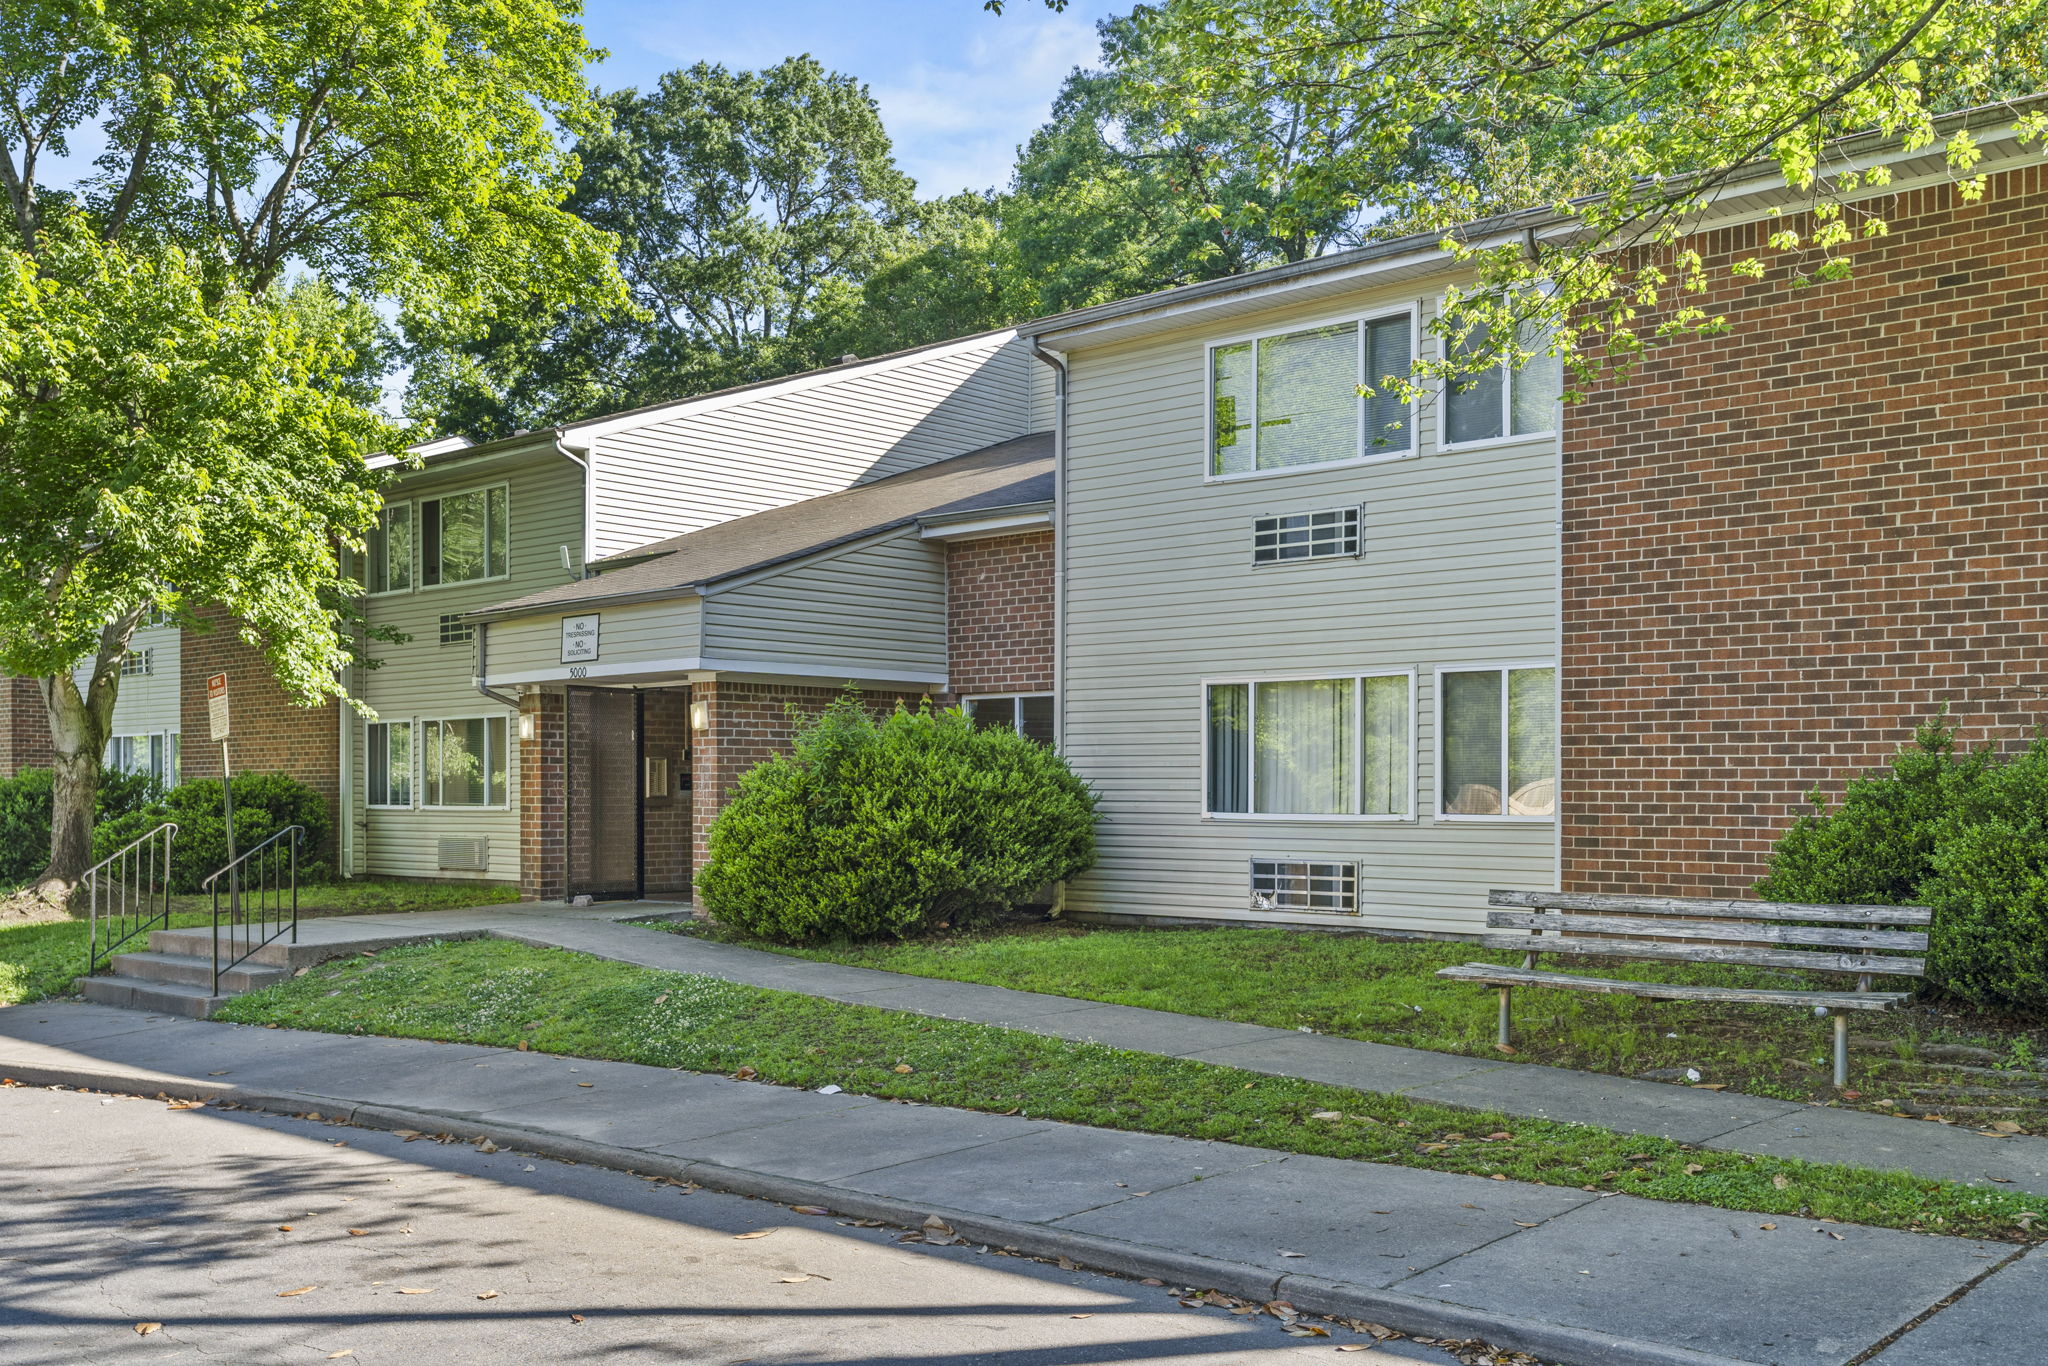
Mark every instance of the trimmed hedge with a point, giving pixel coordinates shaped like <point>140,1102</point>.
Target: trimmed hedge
<point>1964,833</point>
<point>264,804</point>
<point>893,826</point>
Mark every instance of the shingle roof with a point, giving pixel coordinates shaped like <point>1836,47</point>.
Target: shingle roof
<point>1009,474</point>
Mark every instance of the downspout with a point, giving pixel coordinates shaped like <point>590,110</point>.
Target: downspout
<point>345,824</point>
<point>589,468</point>
<point>483,655</point>
<point>1059,564</point>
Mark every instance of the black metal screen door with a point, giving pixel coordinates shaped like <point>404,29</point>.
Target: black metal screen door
<point>603,791</point>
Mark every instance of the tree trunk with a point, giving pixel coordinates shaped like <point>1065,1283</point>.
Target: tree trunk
<point>79,726</point>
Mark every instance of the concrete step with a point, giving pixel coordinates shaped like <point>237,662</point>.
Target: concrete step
<point>198,943</point>
<point>183,970</point>
<point>162,998</point>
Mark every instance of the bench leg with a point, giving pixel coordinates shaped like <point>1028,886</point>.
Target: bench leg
<point>1502,1037</point>
<point>1841,1050</point>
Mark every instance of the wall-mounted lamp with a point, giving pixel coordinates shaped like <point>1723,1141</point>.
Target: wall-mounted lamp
<point>527,728</point>
<point>700,716</point>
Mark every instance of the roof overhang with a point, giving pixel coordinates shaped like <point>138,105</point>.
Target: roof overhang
<point>974,526</point>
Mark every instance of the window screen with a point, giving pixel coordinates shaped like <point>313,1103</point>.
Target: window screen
<point>391,550</point>
<point>1030,716</point>
<point>1497,401</point>
<point>390,763</point>
<point>462,537</point>
<point>464,762</point>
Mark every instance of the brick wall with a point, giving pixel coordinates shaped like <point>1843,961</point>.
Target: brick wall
<point>270,734</point>
<point>999,617</point>
<point>543,815</point>
<point>666,829</point>
<point>1788,545</point>
<point>24,727</point>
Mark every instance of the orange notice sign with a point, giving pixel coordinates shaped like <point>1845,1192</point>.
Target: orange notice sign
<point>217,705</point>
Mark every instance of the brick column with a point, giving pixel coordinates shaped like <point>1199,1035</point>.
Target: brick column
<point>24,727</point>
<point>543,833</point>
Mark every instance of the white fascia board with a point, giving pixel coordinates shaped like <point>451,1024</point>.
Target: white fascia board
<point>685,668</point>
<point>579,435</point>
<point>979,527</point>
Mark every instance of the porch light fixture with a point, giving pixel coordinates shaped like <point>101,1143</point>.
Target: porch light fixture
<point>526,725</point>
<point>700,716</point>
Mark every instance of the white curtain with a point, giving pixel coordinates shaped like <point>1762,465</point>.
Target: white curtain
<point>1302,756</point>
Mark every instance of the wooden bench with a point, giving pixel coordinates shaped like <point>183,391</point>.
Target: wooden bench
<point>1771,934</point>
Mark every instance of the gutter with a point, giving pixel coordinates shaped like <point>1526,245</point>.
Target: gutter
<point>483,655</point>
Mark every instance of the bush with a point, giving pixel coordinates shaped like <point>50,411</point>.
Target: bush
<point>1966,834</point>
<point>894,826</point>
<point>264,804</point>
<point>25,804</point>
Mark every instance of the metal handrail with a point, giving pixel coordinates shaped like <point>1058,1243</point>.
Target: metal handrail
<point>274,877</point>
<point>128,884</point>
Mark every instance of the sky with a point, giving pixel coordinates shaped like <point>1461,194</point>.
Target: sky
<point>959,88</point>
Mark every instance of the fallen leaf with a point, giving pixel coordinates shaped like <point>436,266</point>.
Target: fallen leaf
<point>1520,1224</point>
<point>1768,1228</point>
<point>1294,1254</point>
<point>302,1290</point>
<point>745,1074</point>
<point>357,1232</point>
<point>525,1047</point>
<point>575,1318</point>
<point>1069,1264</point>
<point>794,1280</point>
<point>657,1000</point>
<point>1355,1347</point>
<point>282,1228</point>
<point>1327,1114</point>
<point>1498,1137</point>
<point>2001,1180</point>
<point>1710,1086</point>
<point>757,1233</point>
<point>1693,1169</point>
<point>145,1329</point>
<point>407,1134</point>
<point>344,1352</point>
<point>2005,1126</point>
<point>487,1294</point>
<point>1071,1316</point>
<point>1505,1048</point>
<point>1151,1280</point>
<point>1497,1177</point>
<point>1832,1234</point>
<point>487,1146</point>
<point>580,1083</point>
<point>1782,1182</point>
<point>903,1067</point>
<point>810,1209</point>
<point>936,1224</point>
<point>216,1074</point>
<point>415,1290</point>
<point>186,1105</point>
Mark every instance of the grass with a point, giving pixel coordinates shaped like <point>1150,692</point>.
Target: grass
<point>508,995</point>
<point>41,958</point>
<point>1926,1061</point>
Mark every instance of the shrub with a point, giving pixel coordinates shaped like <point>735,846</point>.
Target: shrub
<point>25,802</point>
<point>1877,846</point>
<point>1966,834</point>
<point>892,826</point>
<point>264,804</point>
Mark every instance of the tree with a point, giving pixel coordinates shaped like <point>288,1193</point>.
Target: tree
<point>750,206</point>
<point>957,272</point>
<point>177,427</point>
<point>1621,117</point>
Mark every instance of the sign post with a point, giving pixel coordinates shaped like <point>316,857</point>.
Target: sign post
<point>217,723</point>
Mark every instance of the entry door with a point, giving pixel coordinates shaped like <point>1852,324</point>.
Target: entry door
<point>603,789</point>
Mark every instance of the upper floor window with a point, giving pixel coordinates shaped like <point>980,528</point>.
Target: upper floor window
<point>1502,400</point>
<point>391,550</point>
<point>1294,398</point>
<point>138,662</point>
<point>463,536</point>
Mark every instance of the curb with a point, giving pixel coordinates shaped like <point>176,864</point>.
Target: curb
<point>1410,1314</point>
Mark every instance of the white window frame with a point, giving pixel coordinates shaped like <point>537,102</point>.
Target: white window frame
<point>167,738</point>
<point>412,576</point>
<point>143,659</point>
<point>1556,754</point>
<point>1508,436</point>
<point>1357,729</point>
<point>503,799</point>
<point>419,540</point>
<point>1365,456</point>
<point>413,756</point>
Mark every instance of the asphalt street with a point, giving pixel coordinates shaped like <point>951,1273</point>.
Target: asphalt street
<point>255,1239</point>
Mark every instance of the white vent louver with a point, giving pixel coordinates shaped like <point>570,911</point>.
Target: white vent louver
<point>465,853</point>
<point>1304,885</point>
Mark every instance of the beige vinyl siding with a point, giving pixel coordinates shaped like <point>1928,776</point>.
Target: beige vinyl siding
<point>1460,567</point>
<point>424,679</point>
<point>630,635</point>
<point>875,610</point>
<point>147,704</point>
<point>708,466</point>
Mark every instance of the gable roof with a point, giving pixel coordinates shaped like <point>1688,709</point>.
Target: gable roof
<point>1009,474</point>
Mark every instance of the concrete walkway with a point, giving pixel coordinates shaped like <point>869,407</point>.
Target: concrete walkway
<point>1711,1119</point>
<point>1569,1276</point>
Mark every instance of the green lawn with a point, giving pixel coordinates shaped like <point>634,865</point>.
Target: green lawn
<point>1925,1061</point>
<point>505,994</point>
<point>41,959</point>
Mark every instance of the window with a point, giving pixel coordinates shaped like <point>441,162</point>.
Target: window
<point>1499,401</point>
<point>1498,754</point>
<point>1304,885</point>
<point>1306,536</point>
<point>156,755</point>
<point>390,756</point>
<point>1310,747</point>
<point>154,619</point>
<point>391,550</point>
<point>456,631</point>
<point>136,663</point>
<point>1293,399</point>
<point>1030,716</point>
<point>464,762</point>
<point>462,537</point>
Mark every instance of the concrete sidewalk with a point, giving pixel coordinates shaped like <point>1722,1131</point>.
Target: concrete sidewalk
<point>1711,1119</point>
<point>1566,1275</point>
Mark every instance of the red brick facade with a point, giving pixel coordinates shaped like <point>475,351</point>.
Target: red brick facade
<point>270,734</point>
<point>1786,546</point>
<point>999,614</point>
<point>24,727</point>
<point>543,814</point>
